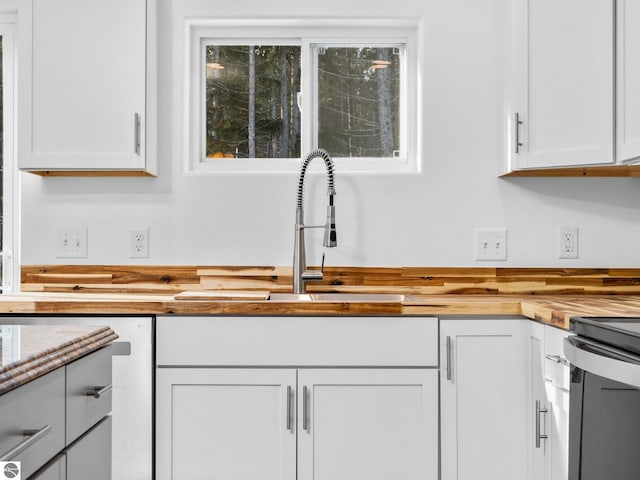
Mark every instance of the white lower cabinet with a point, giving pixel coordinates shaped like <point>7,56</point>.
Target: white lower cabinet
<point>548,403</point>
<point>483,399</point>
<point>366,424</point>
<point>225,423</point>
<point>361,424</point>
<point>284,409</point>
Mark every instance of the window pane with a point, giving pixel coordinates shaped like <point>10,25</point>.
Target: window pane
<point>251,95</point>
<point>359,101</point>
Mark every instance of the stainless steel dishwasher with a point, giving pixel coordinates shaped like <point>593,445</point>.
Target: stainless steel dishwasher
<point>132,397</point>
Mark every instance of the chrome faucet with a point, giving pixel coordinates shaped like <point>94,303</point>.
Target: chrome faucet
<point>300,273</point>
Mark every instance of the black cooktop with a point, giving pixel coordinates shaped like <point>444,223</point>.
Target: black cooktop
<point>619,332</point>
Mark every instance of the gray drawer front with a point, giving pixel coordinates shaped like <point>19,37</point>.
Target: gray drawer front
<point>56,470</point>
<point>87,374</point>
<point>90,456</point>
<point>33,406</point>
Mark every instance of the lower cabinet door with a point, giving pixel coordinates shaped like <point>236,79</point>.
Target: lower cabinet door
<point>221,424</point>
<point>89,457</point>
<point>557,454</point>
<point>367,424</point>
<point>483,399</point>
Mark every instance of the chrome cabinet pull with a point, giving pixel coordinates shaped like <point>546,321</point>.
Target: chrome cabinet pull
<point>305,408</point>
<point>539,435</point>
<point>97,392</point>
<point>136,133</point>
<point>517,129</point>
<point>34,436</point>
<point>289,392</point>
<point>448,343</point>
<point>557,359</point>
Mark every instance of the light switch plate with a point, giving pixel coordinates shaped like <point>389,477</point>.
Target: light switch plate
<point>71,242</point>
<point>491,243</point>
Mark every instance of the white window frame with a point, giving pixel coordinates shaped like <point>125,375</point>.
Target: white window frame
<point>306,33</point>
<point>10,193</point>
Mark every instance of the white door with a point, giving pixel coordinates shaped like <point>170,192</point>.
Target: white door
<point>367,424</point>
<point>221,424</point>
<point>557,451</point>
<point>82,79</point>
<point>483,399</point>
<point>628,93</point>
<point>564,89</point>
<point>536,400</point>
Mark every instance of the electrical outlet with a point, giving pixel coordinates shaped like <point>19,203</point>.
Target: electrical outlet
<point>71,242</point>
<point>568,242</point>
<point>491,243</point>
<point>139,243</point>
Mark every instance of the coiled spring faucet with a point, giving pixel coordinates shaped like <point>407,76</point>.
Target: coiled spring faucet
<point>300,273</point>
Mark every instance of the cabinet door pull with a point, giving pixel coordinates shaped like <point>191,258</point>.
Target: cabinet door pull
<point>34,436</point>
<point>289,392</point>
<point>305,408</point>
<point>136,133</point>
<point>539,435</point>
<point>97,392</point>
<point>517,124</point>
<point>448,344</point>
<point>557,359</point>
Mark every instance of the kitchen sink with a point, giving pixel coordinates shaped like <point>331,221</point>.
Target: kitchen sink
<point>337,297</point>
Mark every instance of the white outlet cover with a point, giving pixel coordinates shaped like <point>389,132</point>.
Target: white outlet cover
<point>568,242</point>
<point>490,244</point>
<point>139,243</point>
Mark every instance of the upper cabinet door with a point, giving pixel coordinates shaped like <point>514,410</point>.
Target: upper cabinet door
<point>82,84</point>
<point>561,110</point>
<point>628,90</point>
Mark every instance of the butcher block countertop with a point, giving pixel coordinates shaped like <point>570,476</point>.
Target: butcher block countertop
<point>550,309</point>
<point>29,351</point>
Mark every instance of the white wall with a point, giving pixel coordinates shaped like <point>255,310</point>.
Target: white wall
<point>422,220</point>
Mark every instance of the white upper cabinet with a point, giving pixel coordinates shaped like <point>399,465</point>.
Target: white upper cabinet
<point>628,79</point>
<point>561,101</point>
<point>83,85</point>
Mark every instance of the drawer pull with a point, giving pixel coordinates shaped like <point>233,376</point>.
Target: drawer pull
<point>557,359</point>
<point>97,392</point>
<point>34,436</point>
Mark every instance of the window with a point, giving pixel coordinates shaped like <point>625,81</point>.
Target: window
<point>259,103</point>
<point>7,162</point>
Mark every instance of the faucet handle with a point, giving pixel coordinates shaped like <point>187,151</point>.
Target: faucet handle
<point>314,274</point>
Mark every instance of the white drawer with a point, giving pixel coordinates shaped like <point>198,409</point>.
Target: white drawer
<point>556,366</point>
<point>86,404</point>
<point>297,341</point>
<point>34,407</point>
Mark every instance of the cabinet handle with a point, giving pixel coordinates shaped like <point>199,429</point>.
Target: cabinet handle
<point>97,392</point>
<point>289,392</point>
<point>557,359</point>
<point>539,435</point>
<point>517,129</point>
<point>136,133</point>
<point>448,344</point>
<point>34,436</point>
<point>305,408</point>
